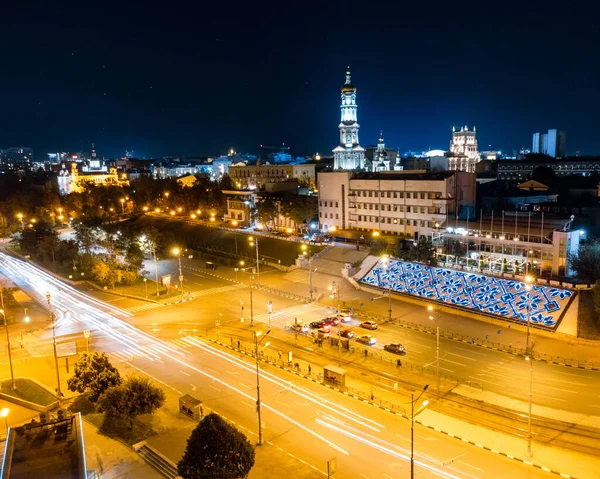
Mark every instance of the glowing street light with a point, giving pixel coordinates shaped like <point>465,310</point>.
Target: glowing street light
<point>375,234</point>
<point>254,242</point>
<point>122,200</point>
<point>4,413</point>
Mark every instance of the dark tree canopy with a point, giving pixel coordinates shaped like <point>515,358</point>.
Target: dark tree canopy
<point>137,395</point>
<point>216,450</point>
<point>94,374</point>
<point>587,262</point>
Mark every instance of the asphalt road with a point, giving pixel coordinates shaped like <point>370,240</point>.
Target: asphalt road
<point>313,424</point>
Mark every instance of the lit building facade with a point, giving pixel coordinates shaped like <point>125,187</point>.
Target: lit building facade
<point>409,204</point>
<point>348,155</point>
<point>521,170</point>
<point>256,176</point>
<point>463,155</point>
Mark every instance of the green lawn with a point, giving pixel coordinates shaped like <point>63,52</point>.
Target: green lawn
<point>226,243</point>
<point>128,432</point>
<point>28,391</point>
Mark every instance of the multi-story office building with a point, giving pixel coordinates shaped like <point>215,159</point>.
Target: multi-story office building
<point>255,176</point>
<point>551,143</point>
<point>16,158</point>
<point>408,203</point>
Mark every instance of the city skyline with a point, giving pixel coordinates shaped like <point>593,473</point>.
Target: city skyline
<point>160,84</point>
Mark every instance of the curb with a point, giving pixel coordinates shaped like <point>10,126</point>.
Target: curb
<point>449,434</point>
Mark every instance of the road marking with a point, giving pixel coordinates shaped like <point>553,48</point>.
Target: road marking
<point>551,397</point>
<point>486,381</point>
<point>471,465</point>
<point>246,386</point>
<point>464,357</point>
<point>387,476</point>
<point>444,369</point>
<point>366,477</point>
<point>497,374</point>
<point>183,372</point>
<point>210,385</point>
<point>557,389</point>
<point>472,352</point>
<point>402,437</point>
<point>453,362</point>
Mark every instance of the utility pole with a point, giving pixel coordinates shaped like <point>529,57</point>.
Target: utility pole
<point>529,357</point>
<point>310,273</point>
<point>12,375</point>
<point>155,268</point>
<point>251,306</point>
<point>53,319</point>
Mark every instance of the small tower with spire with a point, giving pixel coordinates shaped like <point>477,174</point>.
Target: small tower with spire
<point>348,155</point>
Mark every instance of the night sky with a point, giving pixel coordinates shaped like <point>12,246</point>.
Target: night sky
<point>175,78</point>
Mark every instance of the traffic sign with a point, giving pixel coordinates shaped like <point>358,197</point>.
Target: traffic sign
<point>331,467</point>
<point>218,323</point>
<point>86,333</point>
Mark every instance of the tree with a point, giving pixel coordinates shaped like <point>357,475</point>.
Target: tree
<point>135,396</point>
<point>586,263</point>
<point>216,450</point>
<point>421,252</point>
<point>378,247</point>
<point>94,374</point>
<point>596,297</point>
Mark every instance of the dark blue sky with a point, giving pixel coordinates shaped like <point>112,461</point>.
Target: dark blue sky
<point>196,78</point>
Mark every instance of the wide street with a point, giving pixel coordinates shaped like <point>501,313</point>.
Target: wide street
<point>214,299</point>
<point>299,416</point>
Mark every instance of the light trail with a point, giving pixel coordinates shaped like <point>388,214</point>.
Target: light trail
<point>95,316</point>
<point>298,390</point>
<point>386,449</point>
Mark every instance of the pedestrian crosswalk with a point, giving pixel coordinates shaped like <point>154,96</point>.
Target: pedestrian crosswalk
<point>187,296</point>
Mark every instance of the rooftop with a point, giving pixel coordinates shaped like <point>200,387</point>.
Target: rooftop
<point>51,450</point>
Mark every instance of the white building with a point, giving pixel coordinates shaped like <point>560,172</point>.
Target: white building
<point>463,154</point>
<point>348,155</point>
<point>407,203</point>
<point>551,143</point>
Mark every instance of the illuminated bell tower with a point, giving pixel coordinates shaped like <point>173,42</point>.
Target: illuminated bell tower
<point>348,155</point>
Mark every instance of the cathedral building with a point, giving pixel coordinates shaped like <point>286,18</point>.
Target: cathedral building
<point>463,154</point>
<point>380,158</point>
<point>348,155</point>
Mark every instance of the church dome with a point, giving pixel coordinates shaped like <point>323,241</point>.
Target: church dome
<point>348,86</point>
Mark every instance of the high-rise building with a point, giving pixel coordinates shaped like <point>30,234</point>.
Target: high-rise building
<point>348,155</point>
<point>552,143</point>
<point>463,155</point>
<point>16,158</point>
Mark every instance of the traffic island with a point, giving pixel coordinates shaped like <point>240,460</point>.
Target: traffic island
<point>29,393</point>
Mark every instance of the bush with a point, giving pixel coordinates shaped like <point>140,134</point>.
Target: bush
<point>134,397</point>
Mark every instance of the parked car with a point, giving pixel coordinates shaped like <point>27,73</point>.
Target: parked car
<point>316,324</point>
<point>347,333</point>
<point>300,327</point>
<point>323,333</point>
<point>395,348</point>
<point>369,325</point>
<point>367,339</point>
<point>344,317</point>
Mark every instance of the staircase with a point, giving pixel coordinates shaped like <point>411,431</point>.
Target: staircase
<point>155,459</point>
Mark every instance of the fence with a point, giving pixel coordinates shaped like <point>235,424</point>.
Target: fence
<point>285,294</point>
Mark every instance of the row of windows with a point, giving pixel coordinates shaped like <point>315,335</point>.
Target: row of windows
<point>554,167</point>
<point>263,173</point>
<point>337,216</point>
<point>399,208</point>
<point>328,203</point>
<point>417,195</point>
<point>395,221</point>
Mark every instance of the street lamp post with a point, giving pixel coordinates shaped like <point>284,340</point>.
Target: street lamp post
<point>412,427</point>
<point>529,357</point>
<point>12,375</point>
<point>436,313</point>
<point>177,251</point>
<point>386,263</point>
<point>155,268</point>
<point>122,200</point>
<point>254,242</point>
<point>53,319</point>
<point>306,250</point>
<point>251,305</point>
<point>4,413</point>
<point>146,286</point>
<point>257,334</point>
